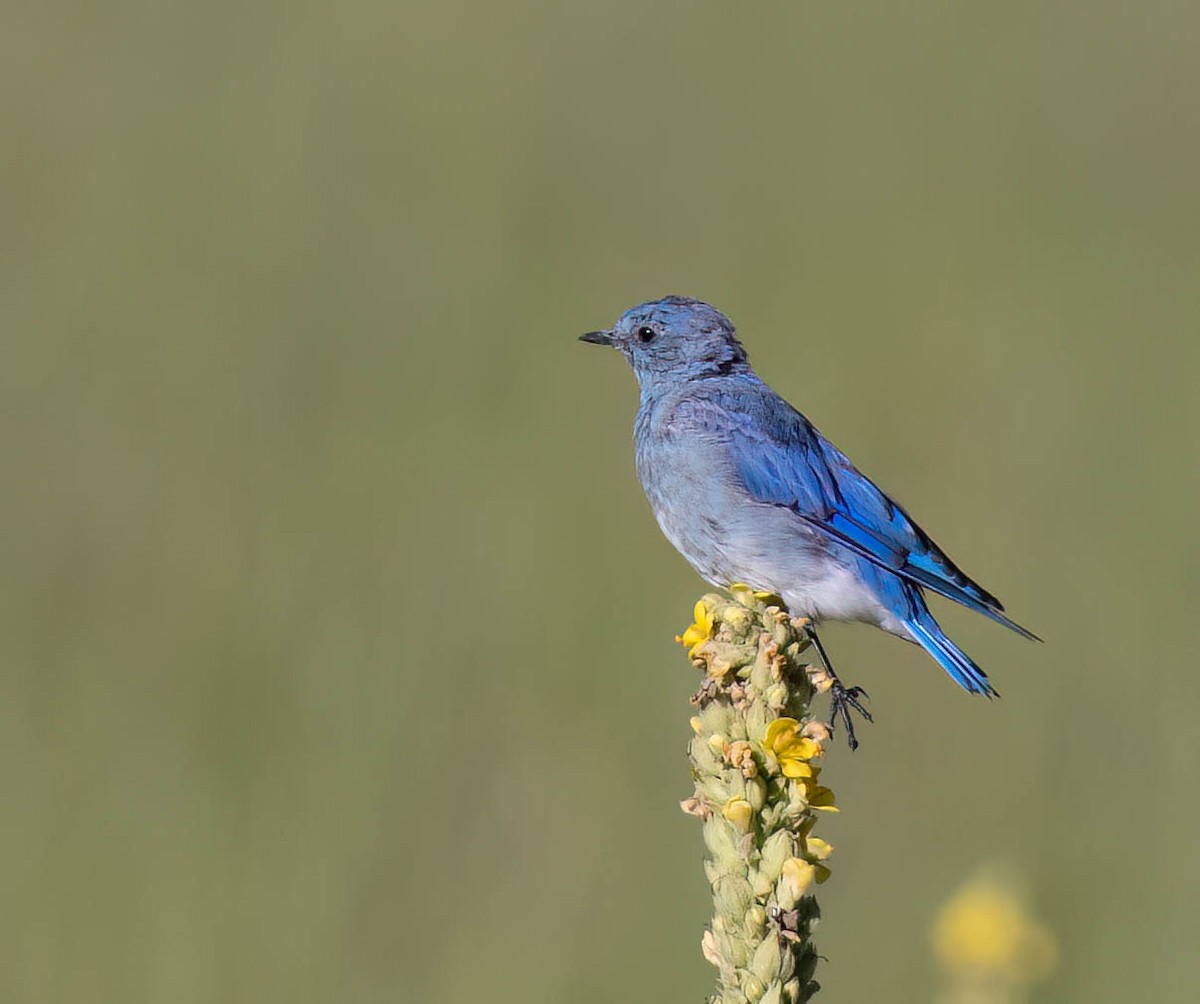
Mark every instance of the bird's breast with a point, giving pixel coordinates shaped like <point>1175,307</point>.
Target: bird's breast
<point>690,486</point>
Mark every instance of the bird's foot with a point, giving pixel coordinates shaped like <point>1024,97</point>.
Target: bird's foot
<point>843,701</point>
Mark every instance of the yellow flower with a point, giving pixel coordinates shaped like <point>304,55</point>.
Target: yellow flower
<point>817,851</point>
<point>986,929</point>
<point>793,750</point>
<point>799,874</point>
<point>745,591</point>
<point>739,812</point>
<point>819,797</point>
<point>699,632</point>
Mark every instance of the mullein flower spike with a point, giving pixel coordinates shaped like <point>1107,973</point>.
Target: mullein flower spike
<point>754,756</point>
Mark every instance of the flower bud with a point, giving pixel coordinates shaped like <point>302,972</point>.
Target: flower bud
<point>739,812</point>
<point>766,959</point>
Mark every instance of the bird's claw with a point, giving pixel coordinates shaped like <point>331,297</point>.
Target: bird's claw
<point>843,701</point>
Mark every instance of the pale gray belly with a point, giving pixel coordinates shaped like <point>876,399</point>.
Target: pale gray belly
<point>729,537</point>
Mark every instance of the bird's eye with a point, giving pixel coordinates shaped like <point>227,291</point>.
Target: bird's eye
<point>645,334</point>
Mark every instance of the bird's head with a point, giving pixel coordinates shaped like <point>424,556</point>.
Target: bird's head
<point>674,339</point>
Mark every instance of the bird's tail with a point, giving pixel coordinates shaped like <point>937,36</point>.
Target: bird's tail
<point>962,669</point>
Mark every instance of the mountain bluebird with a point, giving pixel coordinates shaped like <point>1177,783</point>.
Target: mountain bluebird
<point>749,491</point>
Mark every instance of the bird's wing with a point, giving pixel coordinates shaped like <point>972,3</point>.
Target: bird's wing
<point>783,460</point>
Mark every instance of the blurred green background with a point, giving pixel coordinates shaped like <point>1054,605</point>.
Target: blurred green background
<point>337,658</point>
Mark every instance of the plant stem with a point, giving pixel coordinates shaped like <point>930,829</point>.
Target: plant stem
<point>753,759</point>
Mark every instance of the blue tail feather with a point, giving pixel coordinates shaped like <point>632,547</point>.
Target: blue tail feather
<point>953,592</point>
<point>961,668</point>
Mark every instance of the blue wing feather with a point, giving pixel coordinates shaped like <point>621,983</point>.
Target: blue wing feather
<point>782,459</point>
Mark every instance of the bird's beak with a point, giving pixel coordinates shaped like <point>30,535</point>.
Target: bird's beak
<point>597,337</point>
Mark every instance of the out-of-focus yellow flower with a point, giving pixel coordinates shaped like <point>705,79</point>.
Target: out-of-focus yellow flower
<point>699,632</point>
<point>739,812</point>
<point>986,930</point>
<point>792,750</point>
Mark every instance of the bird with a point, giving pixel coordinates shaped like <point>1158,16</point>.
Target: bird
<point>749,491</point>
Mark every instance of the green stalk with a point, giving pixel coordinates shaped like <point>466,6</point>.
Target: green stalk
<point>754,760</point>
